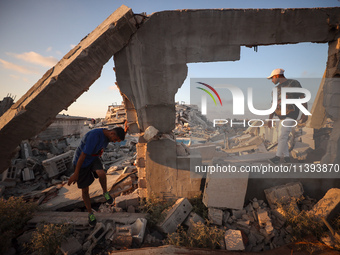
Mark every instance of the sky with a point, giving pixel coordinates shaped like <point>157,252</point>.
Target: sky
<point>36,34</point>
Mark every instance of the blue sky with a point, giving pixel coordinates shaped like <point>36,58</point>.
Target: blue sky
<point>35,34</point>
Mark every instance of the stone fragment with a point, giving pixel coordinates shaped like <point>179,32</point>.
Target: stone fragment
<point>27,174</point>
<point>70,246</point>
<point>262,216</point>
<point>138,230</point>
<point>175,216</point>
<point>193,218</point>
<point>215,216</point>
<point>238,213</point>
<point>233,240</point>
<point>9,177</point>
<point>58,164</point>
<point>328,206</point>
<point>150,133</point>
<point>126,200</point>
<point>283,194</point>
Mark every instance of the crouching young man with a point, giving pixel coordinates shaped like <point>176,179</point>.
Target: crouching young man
<point>88,166</point>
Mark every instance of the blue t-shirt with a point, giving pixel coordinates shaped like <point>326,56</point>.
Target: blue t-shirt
<point>92,144</point>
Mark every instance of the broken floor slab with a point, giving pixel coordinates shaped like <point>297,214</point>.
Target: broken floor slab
<point>71,195</point>
<point>81,218</point>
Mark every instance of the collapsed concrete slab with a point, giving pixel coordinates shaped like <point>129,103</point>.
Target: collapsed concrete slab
<point>81,218</point>
<point>71,195</point>
<point>75,72</point>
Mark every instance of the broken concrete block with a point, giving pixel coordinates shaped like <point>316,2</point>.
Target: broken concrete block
<point>58,164</point>
<point>98,232</point>
<point>193,218</point>
<point>223,192</point>
<point>26,150</point>
<point>233,240</point>
<point>215,216</point>
<point>126,200</point>
<point>238,213</point>
<point>123,237</point>
<point>175,216</point>
<point>269,228</point>
<point>262,216</point>
<point>27,174</point>
<point>9,175</point>
<point>328,206</point>
<point>138,230</point>
<point>70,246</point>
<point>149,133</point>
<point>283,194</point>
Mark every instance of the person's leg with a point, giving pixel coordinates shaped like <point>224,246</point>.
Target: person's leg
<point>282,147</point>
<point>86,199</point>
<point>102,179</point>
<point>103,182</point>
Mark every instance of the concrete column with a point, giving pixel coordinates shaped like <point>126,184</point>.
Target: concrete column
<point>332,101</point>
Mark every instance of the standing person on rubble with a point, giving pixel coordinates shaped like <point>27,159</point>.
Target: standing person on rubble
<point>88,166</point>
<point>292,112</point>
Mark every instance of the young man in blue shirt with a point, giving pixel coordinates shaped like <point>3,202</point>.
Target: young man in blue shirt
<point>87,165</point>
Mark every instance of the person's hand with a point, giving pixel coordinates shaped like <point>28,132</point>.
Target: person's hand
<point>304,118</point>
<point>73,179</point>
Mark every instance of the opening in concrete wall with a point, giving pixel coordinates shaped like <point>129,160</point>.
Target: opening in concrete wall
<point>305,62</point>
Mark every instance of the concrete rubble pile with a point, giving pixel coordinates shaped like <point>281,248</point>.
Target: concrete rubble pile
<point>190,123</point>
<point>192,129</point>
<point>40,169</point>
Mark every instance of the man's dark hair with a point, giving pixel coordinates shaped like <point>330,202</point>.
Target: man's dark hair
<point>120,133</point>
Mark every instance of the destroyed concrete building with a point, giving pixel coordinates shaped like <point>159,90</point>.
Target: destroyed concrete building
<point>150,55</point>
<point>151,66</point>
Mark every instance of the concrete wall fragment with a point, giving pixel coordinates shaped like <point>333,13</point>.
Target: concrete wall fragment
<point>75,72</point>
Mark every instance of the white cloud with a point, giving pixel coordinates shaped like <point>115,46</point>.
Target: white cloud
<point>35,58</point>
<point>17,68</point>
<point>49,49</point>
<point>15,77</point>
